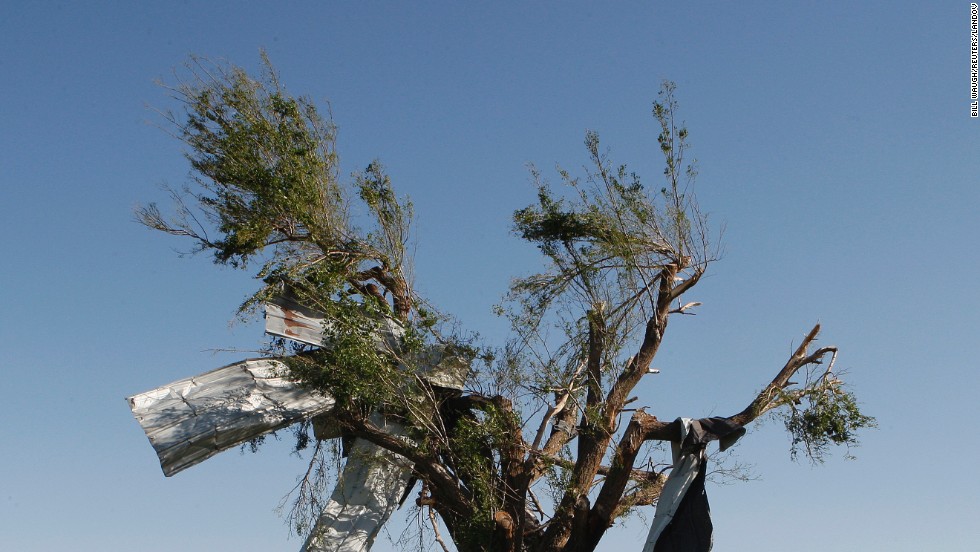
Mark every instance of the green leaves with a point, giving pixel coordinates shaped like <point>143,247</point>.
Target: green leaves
<point>264,159</point>
<point>266,187</point>
<point>393,216</point>
<point>607,242</point>
<point>831,417</point>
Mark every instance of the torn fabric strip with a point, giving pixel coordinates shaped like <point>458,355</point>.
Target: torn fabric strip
<point>682,522</point>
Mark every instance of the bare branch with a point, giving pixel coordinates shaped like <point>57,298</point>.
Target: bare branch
<point>765,399</point>
<point>435,529</point>
<point>684,308</point>
<point>562,397</point>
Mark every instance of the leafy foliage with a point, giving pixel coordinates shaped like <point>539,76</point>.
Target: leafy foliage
<point>830,417</point>
<point>472,448</point>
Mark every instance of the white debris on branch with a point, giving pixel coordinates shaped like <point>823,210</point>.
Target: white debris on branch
<point>365,496</point>
<point>287,318</point>
<point>191,420</point>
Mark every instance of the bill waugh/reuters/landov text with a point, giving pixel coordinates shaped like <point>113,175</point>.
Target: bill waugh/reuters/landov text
<point>974,109</point>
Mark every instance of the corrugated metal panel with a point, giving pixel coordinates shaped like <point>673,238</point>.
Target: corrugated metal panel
<point>190,420</point>
<point>364,498</point>
<point>439,366</point>
<point>287,318</point>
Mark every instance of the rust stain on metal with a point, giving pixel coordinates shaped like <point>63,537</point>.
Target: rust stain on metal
<point>285,318</point>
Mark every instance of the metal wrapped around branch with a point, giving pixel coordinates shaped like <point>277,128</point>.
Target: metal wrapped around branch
<point>191,420</point>
<point>365,496</point>
<point>284,317</point>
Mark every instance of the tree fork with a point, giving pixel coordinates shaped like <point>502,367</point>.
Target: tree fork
<point>645,427</point>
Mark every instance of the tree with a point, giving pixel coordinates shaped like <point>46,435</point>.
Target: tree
<point>543,411</point>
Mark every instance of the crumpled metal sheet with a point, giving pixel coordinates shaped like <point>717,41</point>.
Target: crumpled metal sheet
<point>439,366</point>
<point>285,317</point>
<point>191,420</point>
<point>366,495</point>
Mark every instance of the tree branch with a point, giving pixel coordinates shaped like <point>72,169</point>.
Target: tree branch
<point>443,485</point>
<point>765,399</point>
<point>561,400</point>
<point>644,427</point>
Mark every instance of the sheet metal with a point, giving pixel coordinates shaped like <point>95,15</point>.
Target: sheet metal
<point>441,367</point>
<point>193,419</point>
<point>190,420</point>
<point>366,495</point>
<point>285,317</point>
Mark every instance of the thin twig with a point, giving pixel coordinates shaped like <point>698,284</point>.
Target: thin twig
<point>435,529</point>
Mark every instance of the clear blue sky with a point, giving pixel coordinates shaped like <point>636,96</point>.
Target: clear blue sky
<point>834,142</point>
